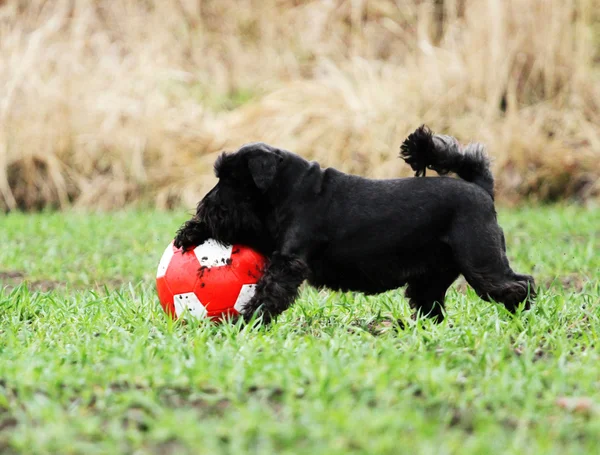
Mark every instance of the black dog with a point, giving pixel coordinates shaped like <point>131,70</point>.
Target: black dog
<point>350,233</point>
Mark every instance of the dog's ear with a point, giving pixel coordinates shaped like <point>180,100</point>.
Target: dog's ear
<point>263,168</point>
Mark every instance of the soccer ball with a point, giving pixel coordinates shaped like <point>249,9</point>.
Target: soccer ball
<point>211,281</point>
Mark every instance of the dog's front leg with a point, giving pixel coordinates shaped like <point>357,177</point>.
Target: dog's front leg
<point>191,234</point>
<point>278,287</point>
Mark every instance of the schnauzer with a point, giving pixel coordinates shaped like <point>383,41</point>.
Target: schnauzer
<point>349,233</point>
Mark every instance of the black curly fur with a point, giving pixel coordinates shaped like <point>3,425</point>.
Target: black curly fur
<point>424,150</point>
<point>416,150</point>
<point>350,233</point>
<point>427,293</point>
<point>191,234</point>
<point>278,288</point>
<point>228,223</point>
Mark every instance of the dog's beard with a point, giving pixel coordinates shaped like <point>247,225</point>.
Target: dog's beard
<point>234,224</point>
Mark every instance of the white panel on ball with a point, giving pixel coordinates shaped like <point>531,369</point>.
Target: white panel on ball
<point>189,301</point>
<point>246,293</point>
<point>212,253</point>
<point>164,261</point>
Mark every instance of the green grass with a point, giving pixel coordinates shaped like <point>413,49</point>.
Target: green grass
<point>90,364</point>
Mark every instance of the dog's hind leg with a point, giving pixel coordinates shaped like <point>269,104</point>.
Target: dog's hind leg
<point>478,248</point>
<point>518,276</point>
<point>427,293</point>
<point>278,287</point>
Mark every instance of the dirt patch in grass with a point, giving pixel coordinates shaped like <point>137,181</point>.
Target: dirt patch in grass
<point>170,447</point>
<point>205,400</point>
<point>214,402</point>
<point>13,278</point>
<point>6,423</point>
<point>571,282</point>
<point>380,327</point>
<point>377,327</point>
<point>538,353</point>
<point>11,275</point>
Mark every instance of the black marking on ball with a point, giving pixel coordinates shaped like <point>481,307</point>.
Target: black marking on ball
<point>229,261</point>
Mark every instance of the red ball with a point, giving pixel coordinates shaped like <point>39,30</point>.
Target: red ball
<point>211,280</point>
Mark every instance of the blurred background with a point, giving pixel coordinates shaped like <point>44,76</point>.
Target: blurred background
<point>105,103</point>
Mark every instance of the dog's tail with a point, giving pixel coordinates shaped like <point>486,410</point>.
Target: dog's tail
<point>424,150</point>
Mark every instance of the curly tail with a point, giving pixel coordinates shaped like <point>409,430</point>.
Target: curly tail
<point>424,150</point>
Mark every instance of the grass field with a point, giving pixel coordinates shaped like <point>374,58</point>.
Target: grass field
<point>90,364</point>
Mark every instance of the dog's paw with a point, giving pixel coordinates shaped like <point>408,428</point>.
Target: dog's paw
<point>255,313</point>
<point>190,235</point>
<point>513,293</point>
<point>258,317</point>
<point>183,241</point>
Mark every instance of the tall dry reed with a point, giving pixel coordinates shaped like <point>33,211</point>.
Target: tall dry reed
<point>106,103</point>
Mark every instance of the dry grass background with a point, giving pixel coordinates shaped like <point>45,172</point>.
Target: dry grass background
<point>105,103</point>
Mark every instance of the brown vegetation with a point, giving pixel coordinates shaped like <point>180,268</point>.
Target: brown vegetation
<point>104,103</point>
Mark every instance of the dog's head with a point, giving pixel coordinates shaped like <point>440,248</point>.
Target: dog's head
<point>235,210</point>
